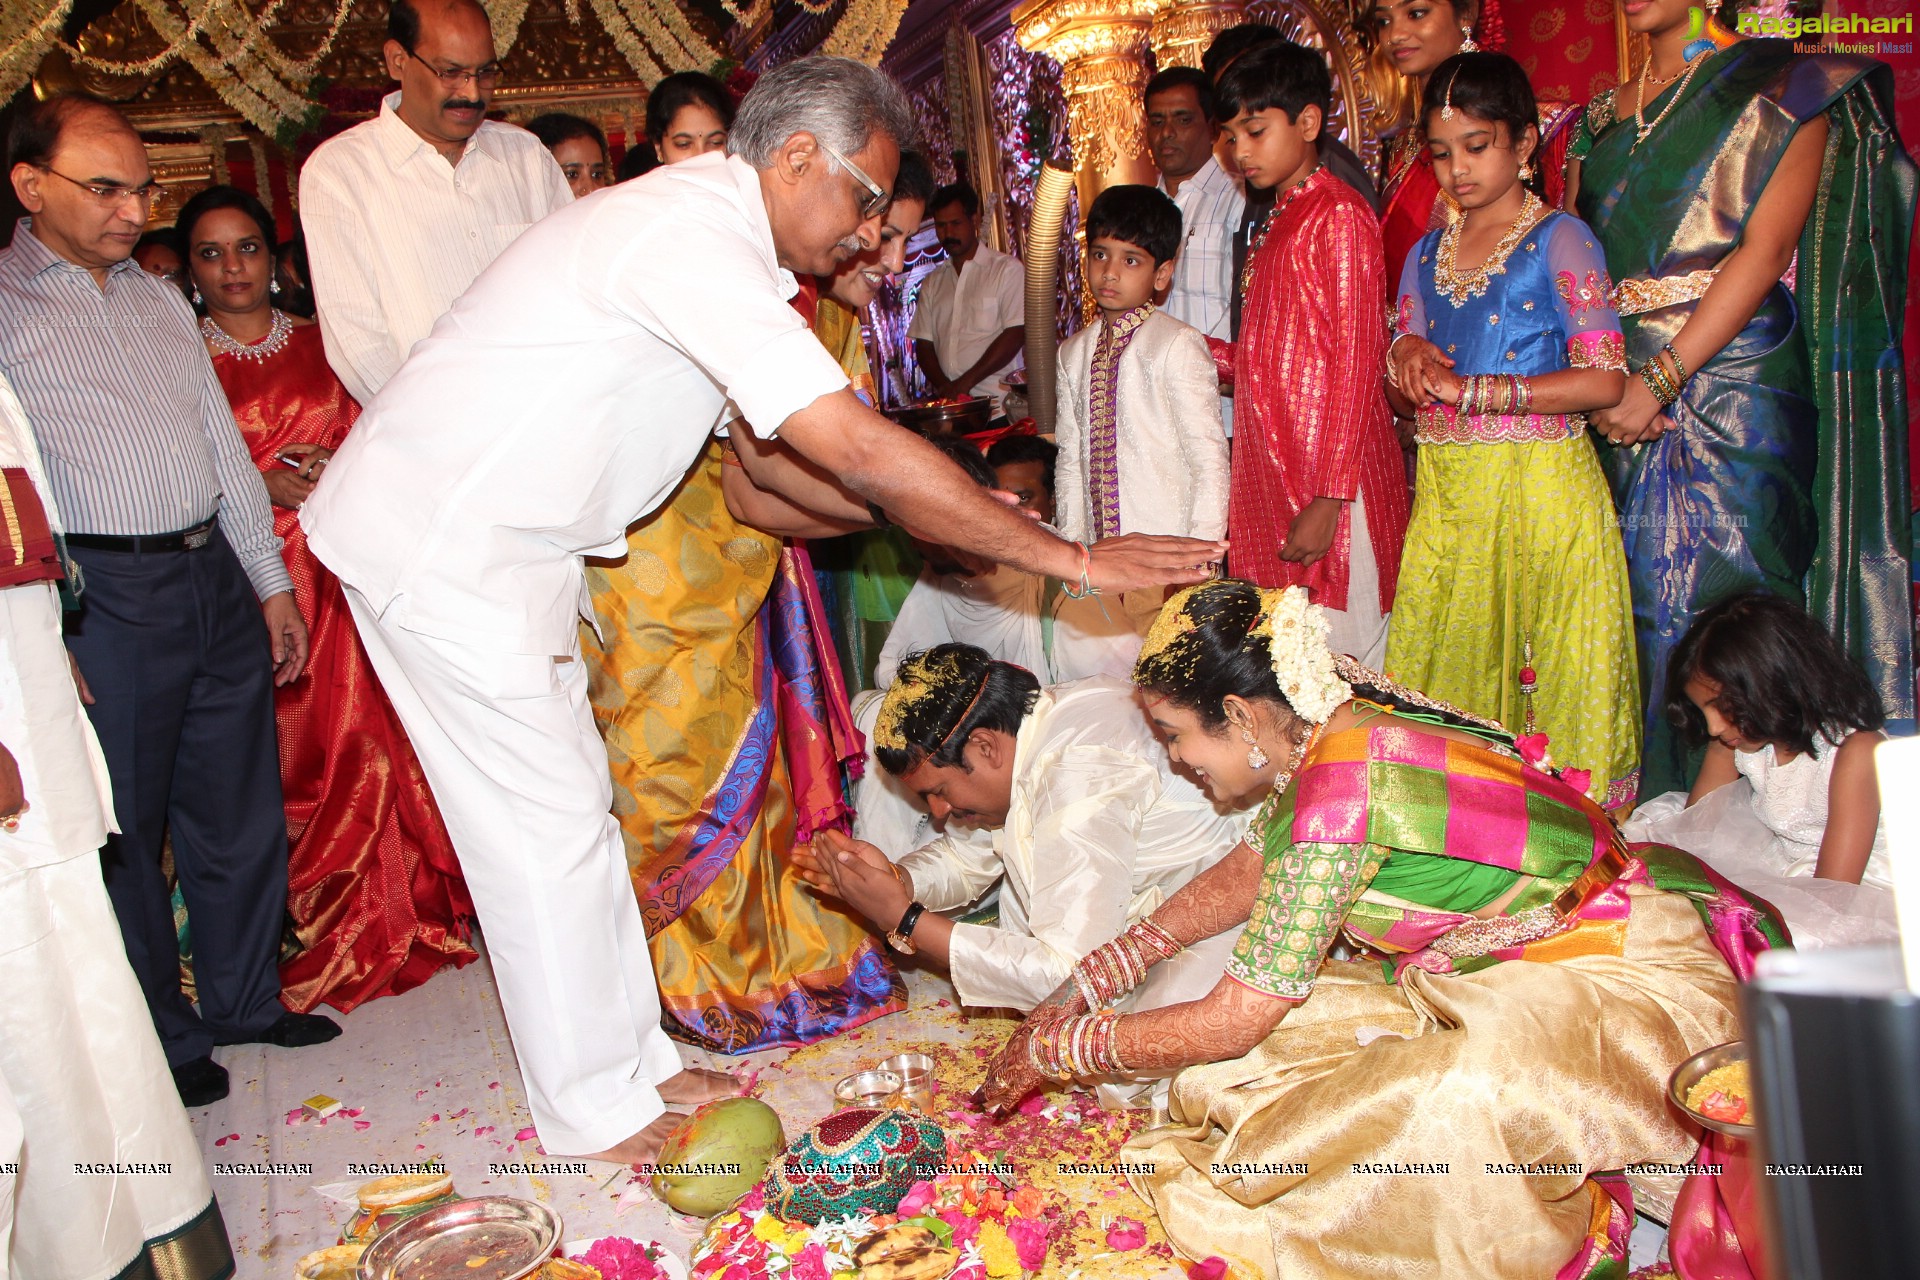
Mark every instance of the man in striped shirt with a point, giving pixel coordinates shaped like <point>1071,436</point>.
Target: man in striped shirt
<point>171,528</point>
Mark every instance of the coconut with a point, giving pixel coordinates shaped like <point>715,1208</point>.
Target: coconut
<point>717,1155</point>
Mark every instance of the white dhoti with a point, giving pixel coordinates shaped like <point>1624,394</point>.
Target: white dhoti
<point>1360,629</point>
<point>107,1167</point>
<point>508,744</point>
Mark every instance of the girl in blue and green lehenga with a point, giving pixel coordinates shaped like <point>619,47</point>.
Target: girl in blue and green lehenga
<point>1513,590</point>
<point>1524,982</point>
<point>1755,207</point>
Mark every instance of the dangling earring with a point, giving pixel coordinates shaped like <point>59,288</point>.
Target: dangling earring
<point>1467,43</point>
<point>1526,171</point>
<point>1256,758</point>
<point>1446,107</point>
<point>274,288</point>
<point>196,295</point>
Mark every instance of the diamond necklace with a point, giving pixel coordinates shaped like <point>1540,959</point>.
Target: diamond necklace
<point>222,341</point>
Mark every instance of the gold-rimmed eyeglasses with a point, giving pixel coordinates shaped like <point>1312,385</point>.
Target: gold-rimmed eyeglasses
<point>878,198</point>
<point>110,193</point>
<point>453,77</point>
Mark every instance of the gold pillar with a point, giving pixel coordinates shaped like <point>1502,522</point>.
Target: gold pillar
<point>1182,29</point>
<point>1101,46</point>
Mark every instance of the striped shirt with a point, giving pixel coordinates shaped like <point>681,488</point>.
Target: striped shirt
<point>135,430</point>
<point>1210,204</point>
<point>395,233</point>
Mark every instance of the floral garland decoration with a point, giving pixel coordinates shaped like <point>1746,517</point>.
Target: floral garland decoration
<point>26,33</point>
<point>865,30</point>
<point>1303,663</point>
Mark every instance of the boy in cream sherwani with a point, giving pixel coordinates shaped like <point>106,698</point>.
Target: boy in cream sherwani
<point>1142,447</point>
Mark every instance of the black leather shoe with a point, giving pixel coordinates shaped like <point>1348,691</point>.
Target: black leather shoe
<point>201,1082</point>
<point>291,1031</point>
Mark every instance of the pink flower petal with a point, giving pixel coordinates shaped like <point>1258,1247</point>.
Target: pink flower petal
<point>1126,1234</point>
<point>296,1115</point>
<point>1211,1269</point>
<point>524,1134</point>
<point>1033,1104</point>
<point>358,1125</point>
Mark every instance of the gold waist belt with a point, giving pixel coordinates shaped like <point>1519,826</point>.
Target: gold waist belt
<point>1479,937</point>
<point>1638,294</point>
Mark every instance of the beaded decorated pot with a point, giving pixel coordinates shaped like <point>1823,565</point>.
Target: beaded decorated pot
<point>861,1160</point>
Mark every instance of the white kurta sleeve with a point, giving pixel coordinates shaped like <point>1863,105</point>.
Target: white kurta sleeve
<point>1083,833</point>
<point>353,328</point>
<point>1193,407</point>
<point>953,870</point>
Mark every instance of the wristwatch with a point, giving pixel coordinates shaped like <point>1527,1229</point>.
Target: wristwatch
<point>880,518</point>
<point>901,938</point>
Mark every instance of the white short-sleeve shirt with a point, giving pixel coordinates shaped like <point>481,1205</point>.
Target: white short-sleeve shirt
<point>961,314</point>
<point>563,397</point>
<point>395,233</point>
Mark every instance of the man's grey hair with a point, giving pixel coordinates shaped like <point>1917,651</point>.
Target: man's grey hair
<point>841,102</point>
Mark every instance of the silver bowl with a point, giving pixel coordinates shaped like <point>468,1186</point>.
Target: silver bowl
<point>486,1238</point>
<point>1688,1074</point>
<point>868,1088</point>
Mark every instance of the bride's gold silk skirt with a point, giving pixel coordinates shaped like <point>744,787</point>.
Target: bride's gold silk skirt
<point>1318,1154</point>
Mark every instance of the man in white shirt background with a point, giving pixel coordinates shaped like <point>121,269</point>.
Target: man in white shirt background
<point>402,211</point>
<point>969,325</point>
<point>562,398</point>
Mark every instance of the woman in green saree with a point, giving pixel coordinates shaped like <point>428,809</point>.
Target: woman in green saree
<point>1754,206</point>
<point>1445,1104</point>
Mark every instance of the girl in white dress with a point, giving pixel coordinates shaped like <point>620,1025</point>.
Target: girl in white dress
<point>1786,803</point>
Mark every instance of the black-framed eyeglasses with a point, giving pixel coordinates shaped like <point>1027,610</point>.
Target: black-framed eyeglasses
<point>878,197</point>
<point>110,193</point>
<point>453,77</point>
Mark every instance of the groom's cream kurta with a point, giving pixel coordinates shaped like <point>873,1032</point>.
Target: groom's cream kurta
<point>1100,831</point>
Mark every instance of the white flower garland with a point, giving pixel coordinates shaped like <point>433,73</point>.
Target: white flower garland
<point>1303,663</point>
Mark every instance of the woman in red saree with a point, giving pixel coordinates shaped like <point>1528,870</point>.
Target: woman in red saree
<point>376,895</point>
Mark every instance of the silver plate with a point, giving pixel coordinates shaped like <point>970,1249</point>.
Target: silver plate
<point>486,1238</point>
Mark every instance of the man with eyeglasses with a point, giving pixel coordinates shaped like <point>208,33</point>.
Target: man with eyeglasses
<point>563,398</point>
<point>171,529</point>
<point>403,211</point>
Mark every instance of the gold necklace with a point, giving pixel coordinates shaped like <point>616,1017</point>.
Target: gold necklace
<point>1458,286</point>
<point>1259,239</point>
<point>1640,126</point>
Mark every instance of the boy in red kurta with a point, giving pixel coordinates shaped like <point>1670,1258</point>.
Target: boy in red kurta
<point>1319,494</point>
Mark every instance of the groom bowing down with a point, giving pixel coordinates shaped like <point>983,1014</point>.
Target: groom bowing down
<point>561,399</point>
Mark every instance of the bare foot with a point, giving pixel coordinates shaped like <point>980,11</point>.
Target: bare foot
<point>644,1146</point>
<point>697,1085</point>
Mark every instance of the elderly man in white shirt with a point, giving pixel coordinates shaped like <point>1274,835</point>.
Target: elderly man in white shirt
<point>403,211</point>
<point>969,326</point>
<point>1065,792</point>
<point>563,398</point>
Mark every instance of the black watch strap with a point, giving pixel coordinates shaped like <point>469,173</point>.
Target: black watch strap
<point>912,917</point>
<point>879,514</point>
